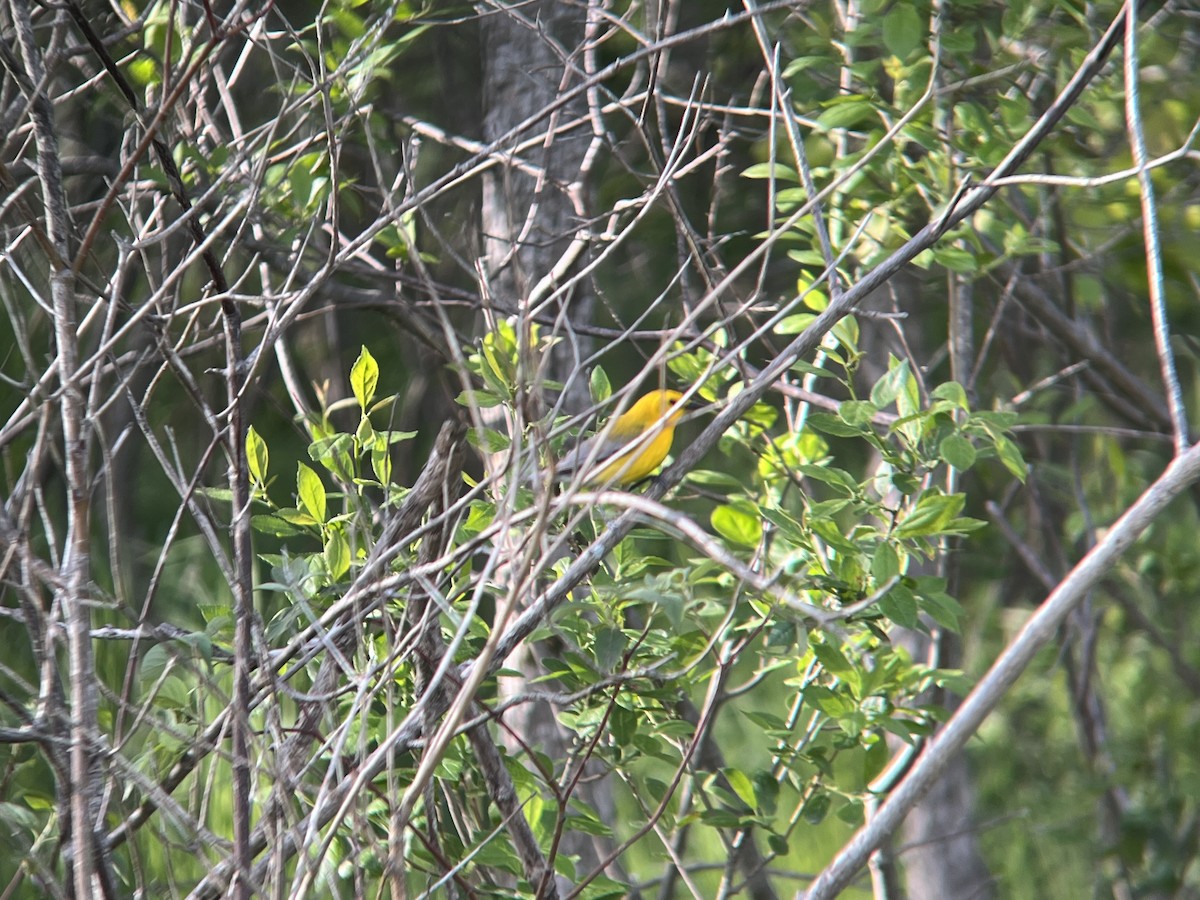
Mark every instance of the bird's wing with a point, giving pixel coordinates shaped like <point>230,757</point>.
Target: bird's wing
<point>608,447</point>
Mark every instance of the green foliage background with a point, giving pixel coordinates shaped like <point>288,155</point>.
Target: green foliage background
<point>952,449</point>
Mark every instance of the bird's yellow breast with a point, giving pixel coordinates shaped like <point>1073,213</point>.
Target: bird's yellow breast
<point>634,464</point>
<point>628,449</point>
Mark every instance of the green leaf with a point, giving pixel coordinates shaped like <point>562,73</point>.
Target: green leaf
<point>900,606</point>
<point>766,789</point>
<point>335,453</point>
<point>481,399</point>
<point>395,436</point>
<point>610,647</point>
<point>720,817</point>
<point>365,433</point>
<point>810,370</point>
<point>964,525</point>
<point>601,887</point>
<point>295,517</point>
<point>274,525</point>
<point>953,392</point>
<point>932,514</point>
<point>154,663</point>
<point>908,405</point>
<point>885,564</point>
<point>337,554</point>
<point>851,813</point>
<point>831,657</point>
<point>364,378</point>
<point>800,63</point>
<point>889,387</point>
<point>311,492</point>
<point>828,531</point>
<point>490,441</point>
<point>300,180</point>
<point>785,634</point>
<point>1011,456</point>
<point>769,722</point>
<point>599,385</point>
<point>742,786</point>
<point>956,259</point>
<point>932,597</point>
<point>176,693</point>
<point>831,424</point>
<point>846,112</point>
<point>816,809</point>
<point>795,325</point>
<point>789,528</point>
<point>739,524</point>
<point>200,642</point>
<point>827,509</point>
<point>19,819</point>
<point>837,478</point>
<point>564,865</point>
<point>768,171</point>
<point>761,414</point>
<point>622,723</point>
<point>381,457</point>
<point>495,371</point>
<point>257,456</point>
<point>815,300</point>
<point>810,258</point>
<point>857,413</point>
<point>144,71</point>
<point>845,330</point>
<point>903,30</point>
<point>957,451</point>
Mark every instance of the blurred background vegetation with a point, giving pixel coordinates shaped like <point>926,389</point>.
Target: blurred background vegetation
<point>521,216</point>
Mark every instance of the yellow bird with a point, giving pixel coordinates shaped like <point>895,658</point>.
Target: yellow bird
<point>630,448</point>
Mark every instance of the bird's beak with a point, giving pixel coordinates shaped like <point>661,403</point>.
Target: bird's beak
<point>695,408</point>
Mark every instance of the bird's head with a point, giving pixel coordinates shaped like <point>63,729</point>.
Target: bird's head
<point>658,405</point>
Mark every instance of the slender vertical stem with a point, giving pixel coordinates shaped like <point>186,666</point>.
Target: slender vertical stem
<point>76,563</point>
<point>1154,269</point>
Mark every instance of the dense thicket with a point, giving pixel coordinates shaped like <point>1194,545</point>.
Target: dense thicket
<point>302,302</point>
